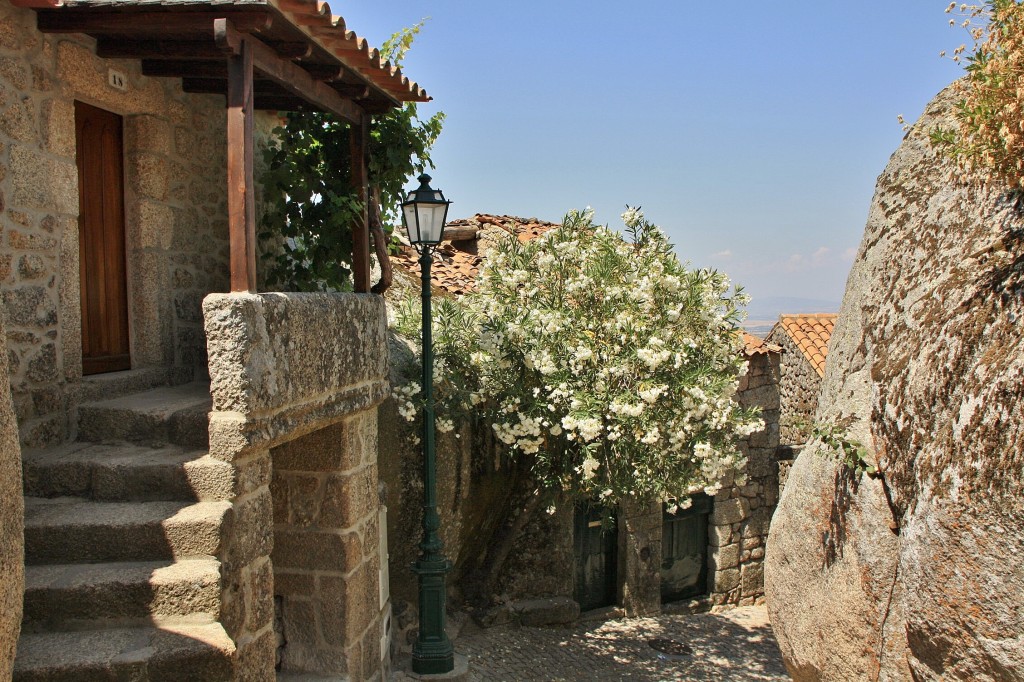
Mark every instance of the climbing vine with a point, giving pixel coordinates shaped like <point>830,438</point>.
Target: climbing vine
<point>310,205</point>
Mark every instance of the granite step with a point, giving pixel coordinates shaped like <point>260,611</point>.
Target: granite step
<point>126,472</point>
<point>168,414</point>
<point>73,530</point>
<point>170,652</point>
<point>70,596</point>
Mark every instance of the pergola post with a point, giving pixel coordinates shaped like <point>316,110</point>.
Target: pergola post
<point>241,201</point>
<point>359,141</point>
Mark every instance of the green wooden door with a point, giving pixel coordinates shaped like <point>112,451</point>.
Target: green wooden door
<point>684,545</point>
<point>596,556</point>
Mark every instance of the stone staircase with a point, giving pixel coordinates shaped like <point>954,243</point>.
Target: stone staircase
<point>122,530</point>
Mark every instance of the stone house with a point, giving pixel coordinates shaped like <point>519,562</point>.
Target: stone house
<point>713,552</point>
<point>803,339</point>
<point>189,478</point>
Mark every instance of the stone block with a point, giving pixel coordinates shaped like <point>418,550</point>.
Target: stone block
<point>43,182</point>
<point>256,659</point>
<point>349,498</point>
<point>304,498</point>
<point>753,579</point>
<point>15,71</point>
<point>251,531</point>
<point>293,583</point>
<point>149,133</point>
<point>30,306</point>
<point>316,550</point>
<point>261,596</point>
<point>730,511</point>
<point>726,557</point>
<point>59,127</point>
<point>148,175</point>
<point>726,580</point>
<point>268,351</point>
<point>327,449</point>
<point>20,123</point>
<point>346,606</point>
<point>719,535</point>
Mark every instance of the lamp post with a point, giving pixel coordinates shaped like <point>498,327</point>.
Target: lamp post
<point>423,214</point>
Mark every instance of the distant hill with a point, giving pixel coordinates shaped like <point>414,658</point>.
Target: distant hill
<point>762,313</point>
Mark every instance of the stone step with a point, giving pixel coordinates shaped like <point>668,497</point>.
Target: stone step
<point>169,414</point>
<point>72,530</point>
<point>69,596</point>
<point>126,472</point>
<point>115,384</point>
<point>182,652</point>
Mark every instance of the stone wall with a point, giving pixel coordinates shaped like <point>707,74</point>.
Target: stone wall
<point>296,380</point>
<point>799,384</point>
<point>12,513</point>
<point>175,215</point>
<point>742,515</point>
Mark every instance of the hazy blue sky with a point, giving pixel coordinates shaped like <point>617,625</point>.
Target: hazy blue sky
<point>752,132</point>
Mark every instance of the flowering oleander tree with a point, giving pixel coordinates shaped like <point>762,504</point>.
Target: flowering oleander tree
<point>602,358</point>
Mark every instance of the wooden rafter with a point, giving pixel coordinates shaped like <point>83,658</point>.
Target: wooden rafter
<point>288,75</point>
<point>89,20</point>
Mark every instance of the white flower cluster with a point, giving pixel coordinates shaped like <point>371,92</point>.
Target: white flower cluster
<point>604,358</point>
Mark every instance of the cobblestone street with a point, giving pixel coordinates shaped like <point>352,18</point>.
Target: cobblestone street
<point>733,645</point>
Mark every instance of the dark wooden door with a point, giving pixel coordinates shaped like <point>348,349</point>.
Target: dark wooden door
<point>595,553</point>
<point>104,286</point>
<point>684,551</point>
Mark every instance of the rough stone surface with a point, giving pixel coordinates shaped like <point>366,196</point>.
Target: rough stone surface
<point>917,575</point>
<point>799,385</point>
<point>12,512</point>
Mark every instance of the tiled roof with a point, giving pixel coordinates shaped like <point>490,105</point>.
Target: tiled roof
<point>755,346</point>
<point>312,18</point>
<point>329,30</point>
<point>457,262</point>
<point>810,333</point>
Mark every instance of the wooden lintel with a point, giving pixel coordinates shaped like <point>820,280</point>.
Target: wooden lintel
<point>178,68</point>
<point>286,74</point>
<point>241,200</point>
<point>98,21</point>
<point>219,86</point>
<point>110,48</point>
<point>299,50</point>
<point>359,146</point>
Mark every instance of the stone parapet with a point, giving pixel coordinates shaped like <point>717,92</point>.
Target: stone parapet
<point>296,380</point>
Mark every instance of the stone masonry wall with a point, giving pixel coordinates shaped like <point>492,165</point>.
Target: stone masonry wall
<point>738,527</point>
<point>296,380</point>
<point>798,390</point>
<point>175,215</point>
<point>12,523</point>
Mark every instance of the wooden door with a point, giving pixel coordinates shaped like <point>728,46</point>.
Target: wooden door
<point>595,550</point>
<point>104,285</point>
<point>684,551</point>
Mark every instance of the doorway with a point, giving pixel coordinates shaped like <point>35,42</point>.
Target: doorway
<point>684,550</point>
<point>595,546</point>
<point>101,240</point>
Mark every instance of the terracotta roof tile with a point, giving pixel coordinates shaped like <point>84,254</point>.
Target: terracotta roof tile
<point>457,261</point>
<point>755,346</point>
<point>810,333</point>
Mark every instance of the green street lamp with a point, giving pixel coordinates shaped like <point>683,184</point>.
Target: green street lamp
<point>423,214</point>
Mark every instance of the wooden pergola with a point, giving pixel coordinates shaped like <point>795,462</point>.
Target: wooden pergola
<point>283,55</point>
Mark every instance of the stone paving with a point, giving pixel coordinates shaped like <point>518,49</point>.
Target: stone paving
<point>732,645</point>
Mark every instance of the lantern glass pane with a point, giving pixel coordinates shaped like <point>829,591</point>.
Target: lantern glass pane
<point>432,222</point>
<point>409,213</point>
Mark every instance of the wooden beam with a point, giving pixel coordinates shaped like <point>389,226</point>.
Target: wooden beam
<point>359,146</point>
<point>286,74</point>
<point>110,48</point>
<point>241,202</point>
<point>281,103</point>
<point>97,21</point>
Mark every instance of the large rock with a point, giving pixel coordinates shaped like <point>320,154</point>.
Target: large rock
<point>918,575</point>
